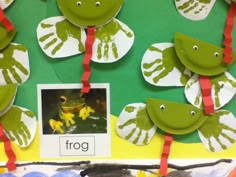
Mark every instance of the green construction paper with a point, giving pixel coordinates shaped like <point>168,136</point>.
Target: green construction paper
<point>200,57</point>
<point>175,118</point>
<point>7,95</point>
<point>152,22</point>
<point>89,12</point>
<point>5,36</point>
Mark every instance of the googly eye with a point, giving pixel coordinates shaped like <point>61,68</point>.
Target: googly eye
<point>193,113</point>
<point>162,107</point>
<point>216,54</point>
<point>97,3</point>
<point>79,3</point>
<point>195,47</point>
<point>63,99</point>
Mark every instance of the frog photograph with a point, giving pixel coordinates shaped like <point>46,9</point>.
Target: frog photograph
<point>14,71</point>
<point>67,111</point>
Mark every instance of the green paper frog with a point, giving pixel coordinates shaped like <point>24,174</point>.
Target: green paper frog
<point>138,123</point>
<point>167,64</point>
<point>14,64</point>
<point>19,123</point>
<point>58,34</point>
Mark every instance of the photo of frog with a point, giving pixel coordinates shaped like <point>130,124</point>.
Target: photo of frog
<point>67,111</point>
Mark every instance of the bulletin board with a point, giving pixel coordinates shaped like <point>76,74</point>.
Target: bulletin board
<point>152,21</point>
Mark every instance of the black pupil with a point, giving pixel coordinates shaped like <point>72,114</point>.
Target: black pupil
<point>62,100</point>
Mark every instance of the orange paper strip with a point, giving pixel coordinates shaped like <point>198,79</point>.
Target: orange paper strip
<point>228,58</point>
<point>205,85</point>
<point>165,154</point>
<point>6,23</point>
<point>8,149</point>
<point>233,173</point>
<point>87,58</point>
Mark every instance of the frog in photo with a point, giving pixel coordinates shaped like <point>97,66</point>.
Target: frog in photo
<point>69,111</point>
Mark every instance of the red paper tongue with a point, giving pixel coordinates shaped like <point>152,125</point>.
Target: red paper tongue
<point>87,59</point>
<point>165,154</point>
<point>205,85</point>
<point>228,34</point>
<point>6,23</point>
<point>8,149</point>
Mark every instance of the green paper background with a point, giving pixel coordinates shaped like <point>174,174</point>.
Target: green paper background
<point>152,21</point>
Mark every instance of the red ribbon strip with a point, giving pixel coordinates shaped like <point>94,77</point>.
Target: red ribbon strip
<point>232,173</point>
<point>8,149</point>
<point>6,23</point>
<point>205,85</point>
<point>228,58</point>
<point>87,58</point>
<point>165,154</point>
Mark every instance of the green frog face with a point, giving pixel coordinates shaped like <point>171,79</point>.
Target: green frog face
<point>89,12</point>
<point>200,57</point>
<point>175,118</point>
<point>5,36</point>
<point>71,102</point>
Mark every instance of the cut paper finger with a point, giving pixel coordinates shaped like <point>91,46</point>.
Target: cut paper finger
<point>112,42</point>
<point>134,124</point>
<point>161,66</point>
<point>59,38</point>
<point>218,132</point>
<point>223,90</point>
<point>7,97</point>
<point>14,64</point>
<point>19,125</point>
<point>195,9</point>
<point>175,118</point>
<point>5,3</point>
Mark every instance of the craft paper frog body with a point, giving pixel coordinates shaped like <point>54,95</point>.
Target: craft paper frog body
<point>167,64</point>
<point>65,36</point>
<point>19,123</point>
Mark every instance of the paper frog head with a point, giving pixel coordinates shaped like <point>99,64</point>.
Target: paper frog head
<point>89,12</point>
<point>65,36</point>
<point>6,35</point>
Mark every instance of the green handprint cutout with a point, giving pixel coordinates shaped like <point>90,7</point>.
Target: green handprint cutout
<point>64,30</point>
<point>166,65</point>
<point>194,9</point>
<point>106,35</point>
<point>135,125</point>
<point>10,64</point>
<point>222,135</point>
<point>191,5</point>
<point>219,82</point>
<point>15,127</point>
